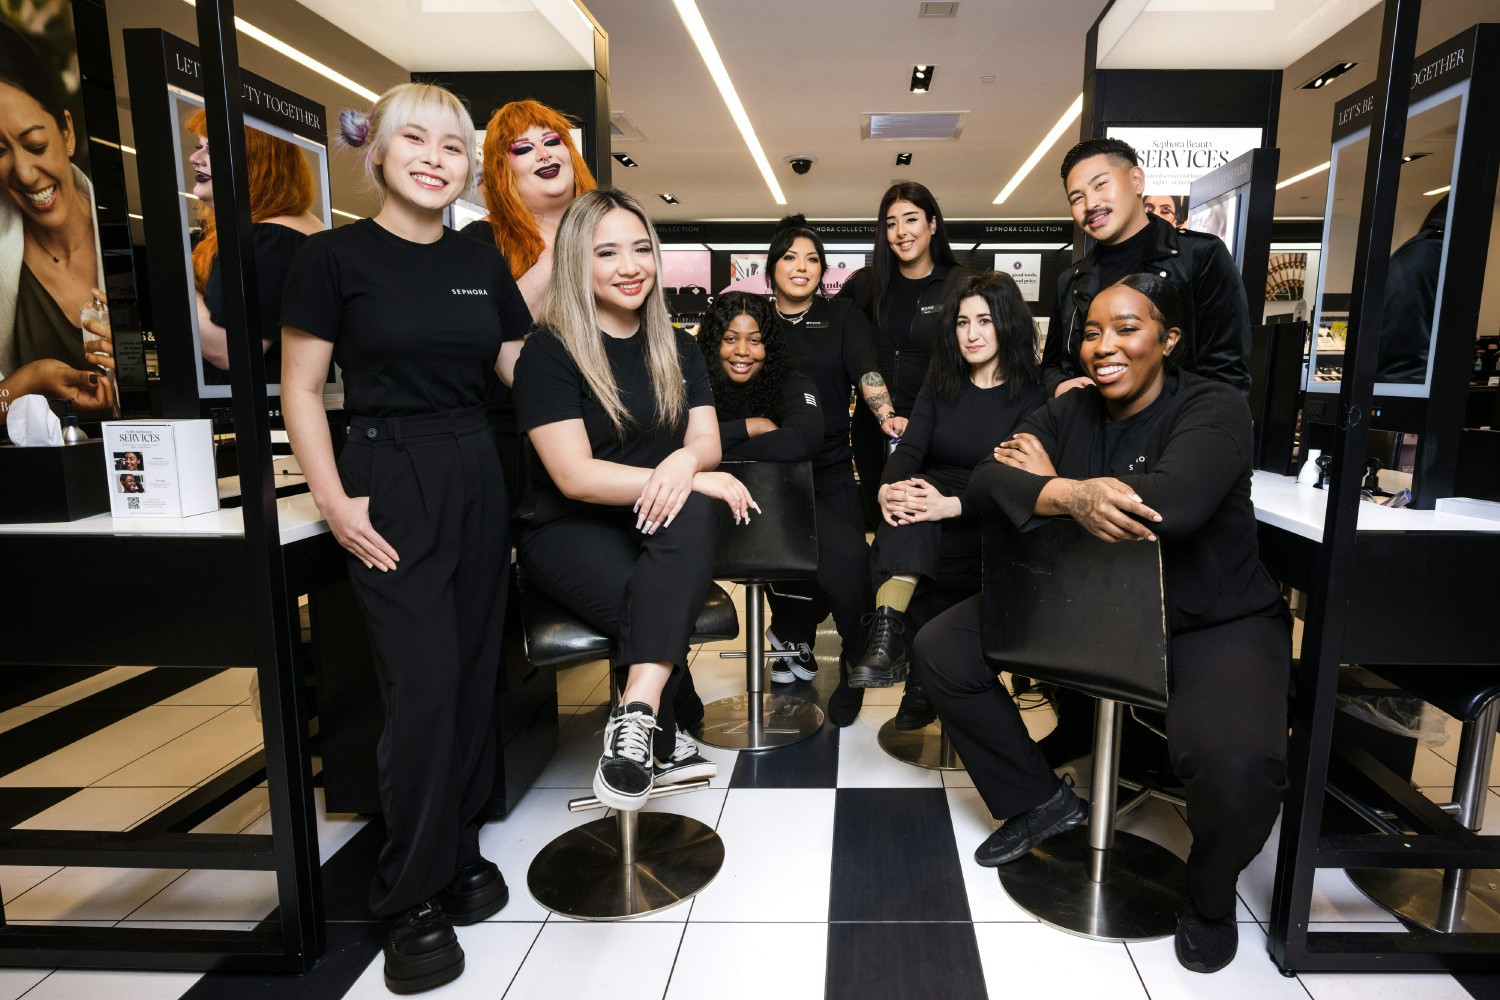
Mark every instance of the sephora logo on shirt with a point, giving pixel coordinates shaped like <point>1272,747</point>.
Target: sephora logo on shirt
<point>471,291</point>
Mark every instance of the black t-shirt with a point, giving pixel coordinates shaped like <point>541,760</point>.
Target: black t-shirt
<point>901,306</point>
<point>275,246</point>
<point>834,345</point>
<point>551,388</point>
<point>416,327</point>
<point>1125,257</point>
<point>1124,443</point>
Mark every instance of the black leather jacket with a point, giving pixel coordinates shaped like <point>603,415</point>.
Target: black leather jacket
<point>1215,319</point>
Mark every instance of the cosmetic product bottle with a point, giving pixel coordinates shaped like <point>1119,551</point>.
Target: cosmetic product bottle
<point>1309,474</point>
<point>71,432</point>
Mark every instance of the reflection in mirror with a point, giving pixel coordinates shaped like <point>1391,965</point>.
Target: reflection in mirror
<point>1409,315</point>
<point>1486,369</point>
<point>288,181</point>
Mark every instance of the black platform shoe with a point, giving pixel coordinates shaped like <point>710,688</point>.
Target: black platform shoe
<point>477,891</point>
<point>421,950</point>
<point>884,661</point>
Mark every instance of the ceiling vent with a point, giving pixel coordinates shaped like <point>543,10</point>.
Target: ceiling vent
<point>912,125</point>
<point>938,10</point>
<point>622,129</point>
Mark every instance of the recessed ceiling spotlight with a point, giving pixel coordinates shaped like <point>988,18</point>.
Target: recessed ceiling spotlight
<point>903,159</point>
<point>921,78</point>
<point>668,199</point>
<point>1413,156</point>
<point>987,78</point>
<point>1326,77</point>
<point>625,160</point>
<point>935,9</point>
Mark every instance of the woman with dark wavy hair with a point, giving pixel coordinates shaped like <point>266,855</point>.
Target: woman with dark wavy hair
<point>769,411</point>
<point>984,380</point>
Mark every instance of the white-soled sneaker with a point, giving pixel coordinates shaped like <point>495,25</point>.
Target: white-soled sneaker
<point>685,764</point>
<point>786,669</point>
<point>623,779</point>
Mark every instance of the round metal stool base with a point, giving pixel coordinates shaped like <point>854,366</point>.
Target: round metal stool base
<point>579,874</point>
<point>1468,903</point>
<point>926,747</point>
<point>1147,885</point>
<point>784,720</point>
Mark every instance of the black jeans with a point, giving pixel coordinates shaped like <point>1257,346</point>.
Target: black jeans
<point>643,591</point>
<point>1226,734</point>
<point>437,495</point>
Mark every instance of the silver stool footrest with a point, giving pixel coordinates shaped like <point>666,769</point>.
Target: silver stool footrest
<point>734,724</point>
<point>628,864</point>
<point>1457,901</point>
<point>1147,885</point>
<point>927,747</point>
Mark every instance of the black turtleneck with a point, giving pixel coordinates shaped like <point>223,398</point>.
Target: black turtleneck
<point>1125,257</point>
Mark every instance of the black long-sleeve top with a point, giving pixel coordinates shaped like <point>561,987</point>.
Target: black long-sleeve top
<point>904,339</point>
<point>945,440</point>
<point>797,436</point>
<point>1197,477</point>
<point>834,346</point>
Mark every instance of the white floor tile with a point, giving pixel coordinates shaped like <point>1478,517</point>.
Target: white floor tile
<point>81,984</point>
<point>579,743</point>
<point>13,717</point>
<point>207,925</point>
<point>957,779</point>
<point>1160,823</point>
<point>15,982</point>
<point>206,894</point>
<point>729,962</point>
<point>1388,986</point>
<point>196,755</point>
<point>626,961</point>
<point>576,685</point>
<point>90,894</point>
<point>111,748</point>
<point>239,814</point>
<point>1251,976</point>
<point>1334,897</point>
<point>778,849</point>
<point>88,686</point>
<point>988,902</point>
<point>513,842</point>
<point>102,809</point>
<point>492,954</point>
<point>1022,960</point>
<point>862,764</point>
<point>231,687</point>
<point>1430,768</point>
<point>16,879</point>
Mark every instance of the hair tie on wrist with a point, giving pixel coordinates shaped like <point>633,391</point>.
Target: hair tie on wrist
<point>354,128</point>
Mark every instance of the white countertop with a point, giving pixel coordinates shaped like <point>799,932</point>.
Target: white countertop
<point>1281,501</point>
<point>297,516</point>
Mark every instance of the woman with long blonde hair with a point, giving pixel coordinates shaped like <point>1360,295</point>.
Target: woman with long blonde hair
<point>622,531</point>
<point>281,199</point>
<point>420,319</point>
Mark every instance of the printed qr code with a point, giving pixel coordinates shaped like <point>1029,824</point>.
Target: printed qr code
<point>132,503</point>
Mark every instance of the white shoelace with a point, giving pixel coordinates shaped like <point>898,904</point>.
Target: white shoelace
<point>635,742</point>
<point>685,748</point>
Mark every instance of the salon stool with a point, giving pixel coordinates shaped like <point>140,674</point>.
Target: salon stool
<point>1091,881</point>
<point>927,747</point>
<point>780,543</point>
<point>1454,900</point>
<point>632,863</point>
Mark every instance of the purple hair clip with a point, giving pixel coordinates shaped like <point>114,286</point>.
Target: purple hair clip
<point>354,128</point>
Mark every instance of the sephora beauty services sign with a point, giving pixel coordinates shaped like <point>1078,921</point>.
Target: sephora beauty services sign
<point>1175,157</point>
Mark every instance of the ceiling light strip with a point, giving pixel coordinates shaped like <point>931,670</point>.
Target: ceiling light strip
<point>347,215</point>
<point>1063,124</point>
<point>298,56</point>
<point>693,21</point>
<point>1442,190</point>
<point>1305,175</point>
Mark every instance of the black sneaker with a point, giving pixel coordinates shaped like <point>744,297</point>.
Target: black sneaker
<point>421,950</point>
<point>915,712</point>
<point>1021,833</point>
<point>477,892</point>
<point>685,764</point>
<point>845,702</point>
<point>786,669</point>
<point>884,661</point>
<point>1205,945</point>
<point>623,780</point>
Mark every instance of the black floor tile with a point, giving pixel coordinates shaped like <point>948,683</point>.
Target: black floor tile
<point>813,763</point>
<point>895,961</point>
<point>20,804</point>
<point>1480,985</point>
<point>894,857</point>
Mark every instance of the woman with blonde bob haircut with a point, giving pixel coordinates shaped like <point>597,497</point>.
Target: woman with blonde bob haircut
<point>622,531</point>
<point>420,319</point>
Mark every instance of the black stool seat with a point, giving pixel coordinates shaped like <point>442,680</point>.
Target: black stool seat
<point>555,637</point>
<point>1462,692</point>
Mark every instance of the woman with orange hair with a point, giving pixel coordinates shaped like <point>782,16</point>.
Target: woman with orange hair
<point>281,197</point>
<point>532,173</point>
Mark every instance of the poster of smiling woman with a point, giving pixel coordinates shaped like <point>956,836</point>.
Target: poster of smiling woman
<point>54,322</point>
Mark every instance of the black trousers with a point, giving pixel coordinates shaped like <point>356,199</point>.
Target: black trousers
<point>843,582</point>
<point>944,555</point>
<point>1226,734</point>
<point>437,495</point>
<point>643,591</point>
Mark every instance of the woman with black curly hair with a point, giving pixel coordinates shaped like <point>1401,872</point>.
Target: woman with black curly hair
<point>769,411</point>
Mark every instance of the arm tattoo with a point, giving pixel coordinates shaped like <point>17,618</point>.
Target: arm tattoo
<point>878,401</point>
<point>873,379</point>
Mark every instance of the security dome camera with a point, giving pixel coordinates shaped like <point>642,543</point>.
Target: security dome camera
<point>801,164</point>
